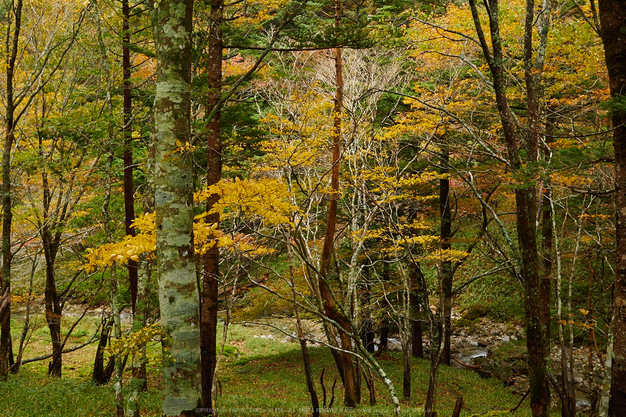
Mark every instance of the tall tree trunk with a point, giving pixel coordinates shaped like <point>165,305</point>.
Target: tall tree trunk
<point>138,382</point>
<point>118,368</point>
<point>447,272</point>
<point>343,359</point>
<point>99,376</point>
<point>417,345</point>
<point>303,345</point>
<point>52,303</point>
<point>210,277</point>
<point>127,129</point>
<point>525,197</point>
<point>51,244</point>
<point>12,37</point>
<point>173,177</point>
<point>613,32</point>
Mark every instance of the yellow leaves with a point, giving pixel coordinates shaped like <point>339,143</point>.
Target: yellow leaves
<point>265,199</point>
<point>388,187</point>
<point>424,240</point>
<point>446,255</point>
<point>129,248</point>
<point>236,66</point>
<point>259,11</point>
<point>183,147</point>
<point>587,323</point>
<point>565,143</point>
<point>573,180</point>
<point>132,343</point>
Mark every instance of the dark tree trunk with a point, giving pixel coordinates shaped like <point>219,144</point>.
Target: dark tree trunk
<point>368,336</point>
<point>127,129</point>
<point>447,272</point>
<point>12,37</point>
<point>51,240</point>
<point>384,335</point>
<point>613,31</point>
<point>210,277</point>
<point>417,342</point>
<point>99,376</point>
<point>525,197</point>
<point>53,310</point>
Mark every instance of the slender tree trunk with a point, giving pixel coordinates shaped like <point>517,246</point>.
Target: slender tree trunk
<point>99,375</point>
<point>210,277</point>
<point>525,197</point>
<point>344,360</point>
<point>12,37</point>
<point>447,272</point>
<point>406,364</point>
<point>127,129</point>
<point>117,332</point>
<point>417,344</point>
<point>367,330</point>
<point>138,382</point>
<point>613,32</point>
<point>176,267</point>
<point>52,305</point>
<point>303,345</point>
<point>51,297</point>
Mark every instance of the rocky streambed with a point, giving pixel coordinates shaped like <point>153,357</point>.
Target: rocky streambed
<point>499,351</point>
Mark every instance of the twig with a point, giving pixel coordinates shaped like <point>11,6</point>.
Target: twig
<point>466,365</point>
<point>512,410</point>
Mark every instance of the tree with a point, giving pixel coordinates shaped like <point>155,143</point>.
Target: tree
<point>211,259</point>
<point>524,194</point>
<point>176,268</point>
<point>613,33</point>
<point>13,35</point>
<point>31,64</point>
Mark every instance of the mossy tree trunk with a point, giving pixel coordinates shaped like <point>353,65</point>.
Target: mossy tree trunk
<point>176,270</point>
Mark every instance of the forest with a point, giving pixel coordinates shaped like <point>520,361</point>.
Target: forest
<point>313,207</point>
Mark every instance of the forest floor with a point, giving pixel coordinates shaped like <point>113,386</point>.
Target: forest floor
<point>261,373</point>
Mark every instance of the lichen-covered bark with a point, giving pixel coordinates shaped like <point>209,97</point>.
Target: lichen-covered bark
<point>613,31</point>
<point>178,290</point>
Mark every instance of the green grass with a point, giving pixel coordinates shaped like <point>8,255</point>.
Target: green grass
<point>269,376</point>
<point>31,394</point>
<point>257,376</point>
